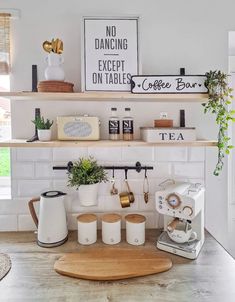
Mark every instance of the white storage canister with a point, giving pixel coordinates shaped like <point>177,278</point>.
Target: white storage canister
<point>135,229</point>
<point>111,228</point>
<point>87,229</point>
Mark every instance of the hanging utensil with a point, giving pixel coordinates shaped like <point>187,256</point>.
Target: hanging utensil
<point>114,190</point>
<point>131,194</point>
<point>146,187</point>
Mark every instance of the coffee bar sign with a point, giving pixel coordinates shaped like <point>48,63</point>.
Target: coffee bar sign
<point>110,53</point>
<point>168,84</point>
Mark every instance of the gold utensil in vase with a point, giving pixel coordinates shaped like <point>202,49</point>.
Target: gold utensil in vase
<point>47,46</point>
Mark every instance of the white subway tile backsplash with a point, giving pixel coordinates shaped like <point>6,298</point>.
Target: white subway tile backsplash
<point>149,206</point>
<point>72,221</point>
<point>61,185</point>
<point>166,154</point>
<point>76,207</point>
<point>151,220</point>
<point>15,206</point>
<point>33,188</point>
<point>141,154</point>
<point>196,154</point>
<point>106,154</point>
<point>189,170</point>
<point>8,207</point>
<point>22,170</point>
<point>34,154</point>
<point>160,170</point>
<point>45,170</point>
<point>67,154</point>
<point>32,174</point>
<point>25,223</point>
<point>8,223</point>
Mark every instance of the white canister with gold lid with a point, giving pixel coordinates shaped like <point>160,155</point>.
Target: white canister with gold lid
<point>111,228</point>
<point>87,229</point>
<point>135,229</point>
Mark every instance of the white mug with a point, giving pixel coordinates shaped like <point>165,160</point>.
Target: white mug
<point>179,234</point>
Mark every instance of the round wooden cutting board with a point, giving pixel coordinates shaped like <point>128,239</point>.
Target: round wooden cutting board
<point>111,263</point>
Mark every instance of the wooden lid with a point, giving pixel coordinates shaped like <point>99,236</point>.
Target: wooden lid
<point>111,218</point>
<point>87,218</point>
<point>135,218</point>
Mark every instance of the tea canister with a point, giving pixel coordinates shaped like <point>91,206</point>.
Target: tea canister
<point>111,228</point>
<point>87,229</point>
<point>135,229</point>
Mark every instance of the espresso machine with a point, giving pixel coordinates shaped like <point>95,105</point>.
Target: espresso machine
<point>182,204</point>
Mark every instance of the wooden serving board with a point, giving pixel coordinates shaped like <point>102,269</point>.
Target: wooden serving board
<point>112,263</point>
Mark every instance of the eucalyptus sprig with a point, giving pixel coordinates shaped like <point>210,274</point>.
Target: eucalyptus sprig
<point>220,97</point>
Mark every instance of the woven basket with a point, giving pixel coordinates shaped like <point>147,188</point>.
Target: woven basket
<point>55,86</point>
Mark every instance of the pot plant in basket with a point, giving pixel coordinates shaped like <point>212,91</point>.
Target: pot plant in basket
<point>43,128</point>
<point>85,175</point>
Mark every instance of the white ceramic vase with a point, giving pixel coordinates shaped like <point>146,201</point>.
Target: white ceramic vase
<point>88,195</point>
<point>54,71</point>
<point>44,135</point>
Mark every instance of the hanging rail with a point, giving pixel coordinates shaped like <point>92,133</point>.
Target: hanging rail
<point>138,167</point>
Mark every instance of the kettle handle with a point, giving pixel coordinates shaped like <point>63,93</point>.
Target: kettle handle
<point>32,210</point>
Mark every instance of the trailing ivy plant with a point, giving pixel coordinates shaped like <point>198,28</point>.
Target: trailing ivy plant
<point>220,97</point>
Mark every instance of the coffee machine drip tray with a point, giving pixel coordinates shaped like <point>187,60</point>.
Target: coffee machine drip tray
<point>188,250</point>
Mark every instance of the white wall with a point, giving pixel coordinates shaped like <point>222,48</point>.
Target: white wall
<point>173,34</point>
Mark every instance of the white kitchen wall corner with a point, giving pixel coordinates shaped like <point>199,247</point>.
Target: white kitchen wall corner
<point>110,53</point>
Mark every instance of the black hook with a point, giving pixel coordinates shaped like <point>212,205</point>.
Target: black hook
<point>126,170</point>
<point>138,166</point>
<point>145,172</point>
<point>69,166</point>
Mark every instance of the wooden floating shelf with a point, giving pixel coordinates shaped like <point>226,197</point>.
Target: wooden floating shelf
<point>103,96</point>
<point>21,143</point>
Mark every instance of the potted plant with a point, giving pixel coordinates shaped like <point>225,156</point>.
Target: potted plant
<point>220,97</point>
<point>43,128</point>
<point>85,175</point>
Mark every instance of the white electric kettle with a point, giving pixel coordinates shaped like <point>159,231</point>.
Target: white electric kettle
<point>52,223</point>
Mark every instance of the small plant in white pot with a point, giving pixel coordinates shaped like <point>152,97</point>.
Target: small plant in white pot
<point>43,128</point>
<point>85,176</point>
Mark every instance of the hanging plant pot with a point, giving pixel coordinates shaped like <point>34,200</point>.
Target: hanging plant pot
<point>88,195</point>
<point>220,97</point>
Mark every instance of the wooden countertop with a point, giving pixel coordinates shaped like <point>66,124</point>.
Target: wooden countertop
<point>32,278</point>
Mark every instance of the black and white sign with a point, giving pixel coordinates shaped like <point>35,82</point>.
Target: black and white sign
<point>168,84</point>
<point>110,53</point>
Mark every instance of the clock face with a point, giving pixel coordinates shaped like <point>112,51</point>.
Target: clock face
<point>173,201</point>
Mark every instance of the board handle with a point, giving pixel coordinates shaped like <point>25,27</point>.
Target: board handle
<point>32,210</point>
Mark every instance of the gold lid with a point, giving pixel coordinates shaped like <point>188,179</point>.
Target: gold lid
<point>135,218</point>
<point>111,218</point>
<point>87,218</point>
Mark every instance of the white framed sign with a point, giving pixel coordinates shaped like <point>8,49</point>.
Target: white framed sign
<point>168,84</point>
<point>110,53</point>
